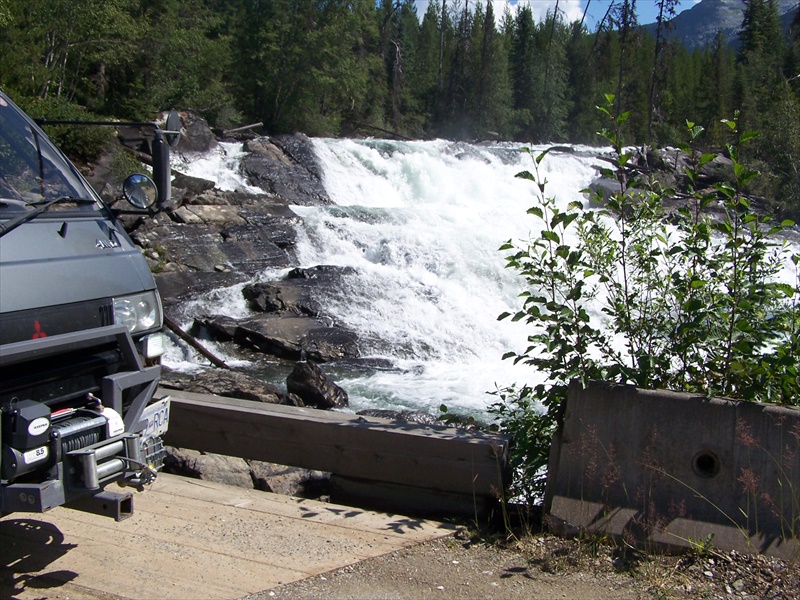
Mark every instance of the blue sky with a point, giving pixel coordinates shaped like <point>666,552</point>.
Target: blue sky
<point>571,9</point>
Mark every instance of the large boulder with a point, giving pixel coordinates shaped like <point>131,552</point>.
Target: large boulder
<point>283,335</point>
<point>315,389</point>
<point>280,336</point>
<point>301,292</point>
<point>287,167</point>
<point>223,382</point>
<point>229,470</point>
<point>289,481</point>
<point>249,474</point>
<point>196,135</point>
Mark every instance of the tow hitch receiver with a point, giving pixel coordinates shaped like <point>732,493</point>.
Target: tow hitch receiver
<point>119,506</point>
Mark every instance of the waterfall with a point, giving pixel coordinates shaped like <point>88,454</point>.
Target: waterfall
<point>421,223</point>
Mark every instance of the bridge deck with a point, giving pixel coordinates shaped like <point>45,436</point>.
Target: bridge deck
<point>193,539</point>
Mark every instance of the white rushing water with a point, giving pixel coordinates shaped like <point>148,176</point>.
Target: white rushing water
<point>421,222</point>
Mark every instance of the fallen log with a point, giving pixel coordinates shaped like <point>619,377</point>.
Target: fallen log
<point>175,328</point>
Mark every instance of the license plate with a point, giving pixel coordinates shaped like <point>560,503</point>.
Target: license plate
<point>157,415</point>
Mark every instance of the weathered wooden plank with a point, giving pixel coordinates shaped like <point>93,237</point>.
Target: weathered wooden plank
<point>408,500</point>
<point>438,458</point>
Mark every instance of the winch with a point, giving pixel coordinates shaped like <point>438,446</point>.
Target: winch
<point>38,439</point>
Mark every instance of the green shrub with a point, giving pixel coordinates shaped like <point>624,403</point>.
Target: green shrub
<point>687,303</point>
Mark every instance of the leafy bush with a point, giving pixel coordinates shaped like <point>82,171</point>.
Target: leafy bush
<point>688,303</point>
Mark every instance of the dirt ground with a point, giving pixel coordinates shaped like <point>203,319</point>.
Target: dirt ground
<point>546,567</point>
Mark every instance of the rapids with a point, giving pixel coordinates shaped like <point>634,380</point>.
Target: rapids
<point>421,222</point>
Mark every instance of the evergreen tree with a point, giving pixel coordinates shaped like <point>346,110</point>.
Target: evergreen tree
<point>760,58</point>
<point>522,61</point>
<point>550,105</point>
<point>423,79</point>
<point>491,95</point>
<point>666,12</point>
<point>453,114</point>
<point>582,120</point>
<point>715,101</point>
<point>63,48</point>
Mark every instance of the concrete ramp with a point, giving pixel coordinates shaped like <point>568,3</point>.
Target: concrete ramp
<point>193,539</point>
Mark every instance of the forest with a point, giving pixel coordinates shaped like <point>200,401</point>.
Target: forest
<point>376,67</point>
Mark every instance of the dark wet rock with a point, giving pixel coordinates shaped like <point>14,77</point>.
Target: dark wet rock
<point>233,384</point>
<point>282,296</point>
<point>717,170</point>
<point>196,135</point>
<point>264,297</point>
<point>300,292</point>
<point>309,382</point>
<point>287,167</point>
<point>282,335</point>
<point>320,273</point>
<point>188,187</point>
<point>326,344</point>
<point>275,334</point>
<point>216,327</point>
<point>300,149</point>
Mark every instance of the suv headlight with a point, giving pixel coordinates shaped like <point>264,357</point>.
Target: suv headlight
<point>139,312</point>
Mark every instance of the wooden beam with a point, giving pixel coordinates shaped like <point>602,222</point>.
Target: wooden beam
<point>437,458</point>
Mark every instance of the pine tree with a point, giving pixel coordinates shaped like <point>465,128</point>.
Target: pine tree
<point>716,90</point>
<point>522,60</point>
<point>666,12</point>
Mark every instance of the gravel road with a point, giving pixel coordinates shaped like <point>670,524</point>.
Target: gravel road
<point>546,567</point>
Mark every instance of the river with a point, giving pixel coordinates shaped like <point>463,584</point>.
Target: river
<point>421,222</point>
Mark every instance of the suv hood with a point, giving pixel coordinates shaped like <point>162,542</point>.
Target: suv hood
<point>52,261</point>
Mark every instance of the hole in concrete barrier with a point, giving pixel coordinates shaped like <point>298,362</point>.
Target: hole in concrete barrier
<point>705,464</point>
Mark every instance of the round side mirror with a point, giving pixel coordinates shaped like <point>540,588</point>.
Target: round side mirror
<point>140,191</point>
<point>173,132</point>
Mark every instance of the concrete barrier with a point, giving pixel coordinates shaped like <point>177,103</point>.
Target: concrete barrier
<point>665,470</point>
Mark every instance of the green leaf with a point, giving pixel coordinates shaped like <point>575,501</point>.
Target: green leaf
<point>536,211</point>
<point>551,236</point>
<point>748,135</point>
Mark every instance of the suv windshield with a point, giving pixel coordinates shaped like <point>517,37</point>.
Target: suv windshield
<point>32,170</point>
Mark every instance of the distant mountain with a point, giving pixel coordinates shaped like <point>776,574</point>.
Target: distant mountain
<point>698,26</point>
